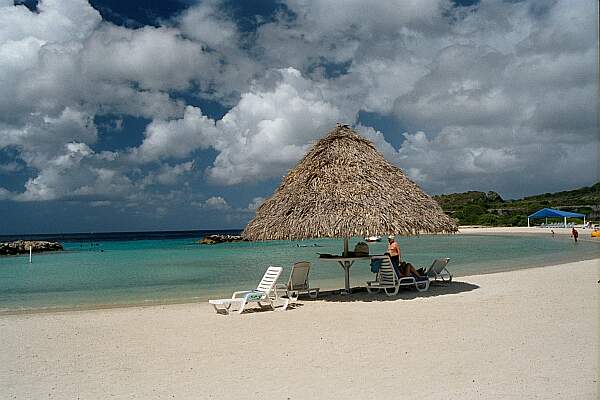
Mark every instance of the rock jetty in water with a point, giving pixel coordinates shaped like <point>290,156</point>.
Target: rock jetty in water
<point>214,239</point>
<point>22,247</point>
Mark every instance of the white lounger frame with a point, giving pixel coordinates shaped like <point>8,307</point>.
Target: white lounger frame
<point>266,289</point>
<point>387,280</point>
<point>298,283</point>
<point>438,270</point>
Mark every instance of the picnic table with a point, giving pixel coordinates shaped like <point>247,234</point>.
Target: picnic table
<point>345,262</point>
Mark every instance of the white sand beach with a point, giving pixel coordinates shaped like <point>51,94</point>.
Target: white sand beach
<point>523,230</point>
<point>523,334</point>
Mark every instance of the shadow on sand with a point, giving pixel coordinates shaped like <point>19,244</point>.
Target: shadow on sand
<point>252,310</point>
<point>361,294</point>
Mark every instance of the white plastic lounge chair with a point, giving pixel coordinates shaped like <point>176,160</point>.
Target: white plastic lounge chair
<point>389,282</point>
<point>438,270</point>
<point>298,282</point>
<point>264,293</point>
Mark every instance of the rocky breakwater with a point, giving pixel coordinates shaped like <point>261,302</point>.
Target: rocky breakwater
<point>214,239</point>
<point>22,247</point>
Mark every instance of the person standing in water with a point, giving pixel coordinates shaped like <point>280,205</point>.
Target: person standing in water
<point>575,234</point>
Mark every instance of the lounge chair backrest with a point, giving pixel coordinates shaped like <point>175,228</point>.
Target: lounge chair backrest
<point>438,265</point>
<point>269,279</point>
<point>299,276</point>
<point>387,275</point>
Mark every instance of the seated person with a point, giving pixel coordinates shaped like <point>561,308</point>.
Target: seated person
<point>407,269</point>
<point>403,269</point>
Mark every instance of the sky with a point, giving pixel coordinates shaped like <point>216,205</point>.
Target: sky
<point>148,115</point>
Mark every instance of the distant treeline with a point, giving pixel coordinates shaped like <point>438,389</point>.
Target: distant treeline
<point>480,208</point>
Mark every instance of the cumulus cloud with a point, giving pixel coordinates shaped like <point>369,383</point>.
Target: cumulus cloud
<point>58,149</point>
<point>235,67</point>
<point>260,138</point>
<point>255,203</point>
<point>214,203</point>
<point>218,203</point>
<point>5,194</point>
<point>43,135</point>
<point>154,58</point>
<point>101,203</point>
<point>10,167</point>
<point>62,66</point>
<point>494,78</point>
<point>271,127</point>
<point>481,95</point>
<point>207,23</point>
<point>64,55</point>
<point>176,138</point>
<point>379,141</point>
<point>449,165</point>
<point>72,174</point>
<point>169,175</point>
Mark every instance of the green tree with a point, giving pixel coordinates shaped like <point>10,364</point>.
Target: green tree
<point>488,219</point>
<point>469,214</point>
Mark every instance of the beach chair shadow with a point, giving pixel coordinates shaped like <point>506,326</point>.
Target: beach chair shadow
<point>361,294</point>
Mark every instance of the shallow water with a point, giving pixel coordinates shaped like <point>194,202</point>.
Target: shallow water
<point>177,270</point>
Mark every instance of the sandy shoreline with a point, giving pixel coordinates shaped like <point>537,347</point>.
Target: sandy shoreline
<point>333,284</point>
<point>584,234</point>
<point>522,334</point>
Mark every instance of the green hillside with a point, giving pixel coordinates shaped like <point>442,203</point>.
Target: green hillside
<point>480,208</point>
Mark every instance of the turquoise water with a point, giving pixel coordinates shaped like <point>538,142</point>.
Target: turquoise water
<point>158,271</point>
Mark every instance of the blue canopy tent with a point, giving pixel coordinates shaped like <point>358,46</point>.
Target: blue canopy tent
<point>550,212</point>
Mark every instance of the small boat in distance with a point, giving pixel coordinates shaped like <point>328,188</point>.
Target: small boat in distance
<point>373,239</point>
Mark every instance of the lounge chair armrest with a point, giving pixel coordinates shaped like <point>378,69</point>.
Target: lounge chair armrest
<point>240,293</point>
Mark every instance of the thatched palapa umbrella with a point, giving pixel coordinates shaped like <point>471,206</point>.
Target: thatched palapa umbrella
<point>344,187</point>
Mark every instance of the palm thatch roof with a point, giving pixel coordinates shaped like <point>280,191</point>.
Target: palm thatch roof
<point>344,187</point>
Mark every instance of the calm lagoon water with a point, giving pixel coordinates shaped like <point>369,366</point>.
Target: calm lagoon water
<point>107,273</point>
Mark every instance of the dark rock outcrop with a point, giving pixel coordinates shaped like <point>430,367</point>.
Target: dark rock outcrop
<point>214,239</point>
<point>22,247</point>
